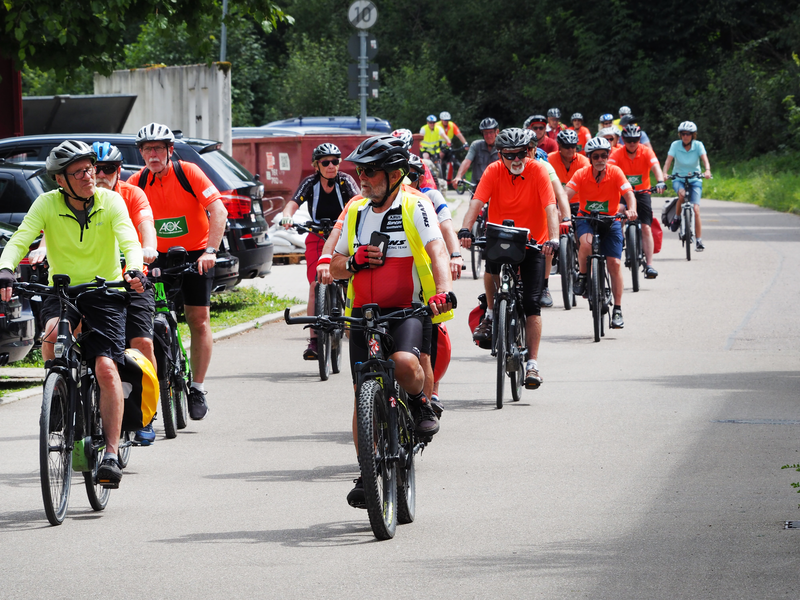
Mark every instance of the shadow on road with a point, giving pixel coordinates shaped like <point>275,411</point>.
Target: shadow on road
<point>327,473</point>
<point>333,437</point>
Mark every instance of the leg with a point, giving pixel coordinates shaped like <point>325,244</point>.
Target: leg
<point>49,338</point>
<point>647,242</point>
<point>199,320</point>
<point>427,368</point>
<point>145,346</point>
<point>697,226</point>
<point>312,304</point>
<point>409,372</point>
<point>584,250</point>
<point>533,335</point>
<point>614,266</point>
<point>111,400</point>
<point>490,285</point>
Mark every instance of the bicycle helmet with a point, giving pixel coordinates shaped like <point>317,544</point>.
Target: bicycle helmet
<point>444,116</point>
<point>326,149</point>
<point>405,136</point>
<point>554,112</point>
<point>576,117</point>
<point>488,123</point>
<point>65,154</point>
<point>624,110</point>
<point>513,137</point>
<point>627,120</point>
<point>531,137</point>
<point>597,143</point>
<point>567,138</point>
<point>541,155</point>
<point>606,117</point>
<point>606,131</point>
<point>415,163</point>
<point>106,153</point>
<point>687,126</point>
<point>431,119</point>
<point>534,119</point>
<point>384,152</point>
<point>631,132</point>
<point>155,132</point>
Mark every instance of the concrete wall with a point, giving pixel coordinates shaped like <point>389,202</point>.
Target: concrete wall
<point>195,99</point>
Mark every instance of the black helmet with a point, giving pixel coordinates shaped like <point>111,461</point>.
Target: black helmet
<point>326,149</point>
<point>627,120</point>
<point>513,137</point>
<point>576,117</point>
<point>65,154</point>
<point>631,131</point>
<point>384,152</point>
<point>554,112</point>
<point>488,123</point>
<point>567,137</point>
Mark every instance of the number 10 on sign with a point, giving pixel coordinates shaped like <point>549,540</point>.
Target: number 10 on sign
<point>362,14</point>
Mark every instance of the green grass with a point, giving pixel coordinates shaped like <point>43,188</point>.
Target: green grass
<point>770,181</point>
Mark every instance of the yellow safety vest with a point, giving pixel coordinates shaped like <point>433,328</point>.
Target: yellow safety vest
<point>449,131</point>
<point>422,261</point>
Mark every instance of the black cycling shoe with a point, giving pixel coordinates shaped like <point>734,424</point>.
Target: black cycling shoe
<point>198,408</point>
<point>650,272</point>
<point>426,423</point>
<point>109,474</point>
<point>356,497</point>
<point>580,285</point>
<point>437,406</point>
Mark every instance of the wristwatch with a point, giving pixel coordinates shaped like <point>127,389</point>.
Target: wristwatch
<point>349,265</point>
<point>210,251</point>
<point>455,255</point>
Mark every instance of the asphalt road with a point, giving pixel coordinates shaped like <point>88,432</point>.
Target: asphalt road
<point>646,466</point>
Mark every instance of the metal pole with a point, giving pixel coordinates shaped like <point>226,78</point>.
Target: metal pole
<point>363,79</point>
<point>223,40</point>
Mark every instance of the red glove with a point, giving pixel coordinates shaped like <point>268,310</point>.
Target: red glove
<point>361,258</point>
<point>565,225</point>
<point>438,299</point>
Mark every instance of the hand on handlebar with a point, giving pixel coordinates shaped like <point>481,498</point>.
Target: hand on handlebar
<point>287,222</point>
<point>7,281</point>
<point>442,303</point>
<point>631,215</point>
<point>137,280</point>
<point>550,247</point>
<point>465,237</point>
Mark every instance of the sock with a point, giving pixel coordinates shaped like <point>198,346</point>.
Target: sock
<point>489,313</point>
<point>618,307</point>
<point>531,364</point>
<point>198,386</point>
<point>109,455</point>
<point>700,240</point>
<point>417,398</point>
<point>546,283</point>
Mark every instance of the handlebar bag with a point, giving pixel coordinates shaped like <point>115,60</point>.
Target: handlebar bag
<point>505,244</point>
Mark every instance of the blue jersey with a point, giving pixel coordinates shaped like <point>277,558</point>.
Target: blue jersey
<point>686,161</point>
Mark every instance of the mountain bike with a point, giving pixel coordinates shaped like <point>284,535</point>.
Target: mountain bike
<point>174,370</point>
<point>686,231</point>
<point>387,440</point>
<point>599,282</point>
<point>70,428</point>
<point>329,299</point>
<point>568,266</point>
<point>507,245</point>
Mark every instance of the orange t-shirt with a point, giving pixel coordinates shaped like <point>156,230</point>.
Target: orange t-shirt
<point>579,161</point>
<point>584,135</point>
<point>180,218</point>
<point>637,169</point>
<point>138,206</point>
<point>604,196</point>
<point>522,198</point>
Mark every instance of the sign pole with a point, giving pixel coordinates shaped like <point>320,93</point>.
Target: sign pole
<point>363,78</point>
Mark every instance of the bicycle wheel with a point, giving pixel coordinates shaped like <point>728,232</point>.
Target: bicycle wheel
<point>406,469</point>
<point>337,304</point>
<point>501,344</point>
<point>169,411</point>
<point>565,263</point>
<point>181,380</point>
<point>98,495</point>
<point>55,451</point>
<point>518,347</point>
<point>475,254</point>
<point>124,454</point>
<point>322,307</point>
<point>377,473</point>
<point>689,214</point>
<point>596,299</point>
<point>632,249</point>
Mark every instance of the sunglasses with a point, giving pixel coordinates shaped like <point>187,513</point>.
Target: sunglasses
<point>369,172</point>
<point>335,162</point>
<point>685,133</point>
<point>538,128</point>
<point>107,169</point>
<point>514,155</point>
<point>596,156</point>
<point>413,176</point>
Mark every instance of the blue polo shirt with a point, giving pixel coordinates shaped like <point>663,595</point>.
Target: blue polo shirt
<point>686,161</point>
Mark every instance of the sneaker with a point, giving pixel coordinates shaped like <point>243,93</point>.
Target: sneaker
<point>699,246</point>
<point>310,353</point>
<point>356,497</point>
<point>546,300</point>
<point>198,409</point>
<point>437,406</point>
<point>145,436</point>
<point>650,272</point>
<point>426,423</point>
<point>616,319</point>
<point>109,474</point>
<point>483,332</point>
<point>532,378</point>
<point>580,285</point>
<point>675,224</point>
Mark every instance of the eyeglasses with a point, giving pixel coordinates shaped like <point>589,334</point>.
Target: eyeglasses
<point>334,161</point>
<point>514,155</point>
<point>152,149</point>
<point>82,174</point>
<point>413,176</point>
<point>630,140</point>
<point>107,169</point>
<point>683,133</point>
<point>369,172</point>
<point>597,156</point>
<point>538,128</point>
<point>568,146</point>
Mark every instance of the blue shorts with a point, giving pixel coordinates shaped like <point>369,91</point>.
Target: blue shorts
<point>695,189</point>
<point>610,238</point>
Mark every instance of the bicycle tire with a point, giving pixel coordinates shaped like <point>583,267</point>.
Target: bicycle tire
<point>476,254</point>
<point>378,475</point>
<point>98,495</point>
<point>518,375</point>
<point>632,247</point>
<point>689,232</point>
<point>181,380</point>
<point>406,467</point>
<point>124,454</point>
<point>597,299</point>
<point>337,302</point>
<point>169,411</point>
<point>322,307</point>
<point>55,454</point>
<point>501,344</point>
<point>565,263</point>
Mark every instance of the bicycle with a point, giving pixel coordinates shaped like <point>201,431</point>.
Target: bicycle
<point>387,440</point>
<point>599,288</point>
<point>477,255</point>
<point>686,231</point>
<point>70,428</point>
<point>507,245</point>
<point>634,249</point>
<point>329,299</point>
<point>568,267</point>
<point>174,370</point>
<point>450,162</point>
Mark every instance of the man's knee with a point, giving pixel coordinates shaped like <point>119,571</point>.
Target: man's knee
<point>197,317</point>
<point>105,370</point>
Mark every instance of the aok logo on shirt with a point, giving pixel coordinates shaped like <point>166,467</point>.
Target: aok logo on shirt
<point>596,207</point>
<point>635,180</point>
<point>171,228</point>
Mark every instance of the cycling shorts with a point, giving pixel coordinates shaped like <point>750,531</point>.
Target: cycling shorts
<point>103,314</point>
<point>195,288</point>
<point>314,245</point>
<point>610,237</point>
<point>141,310</point>
<point>694,192</point>
<point>644,207</point>
<point>531,272</point>
<point>408,336</point>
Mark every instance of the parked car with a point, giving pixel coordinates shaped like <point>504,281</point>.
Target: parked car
<point>374,124</point>
<point>17,322</point>
<point>246,237</point>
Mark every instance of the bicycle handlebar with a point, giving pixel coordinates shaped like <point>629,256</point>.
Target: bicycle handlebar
<point>158,273</point>
<point>696,174</point>
<point>29,288</point>
<point>481,243</point>
<point>322,229</point>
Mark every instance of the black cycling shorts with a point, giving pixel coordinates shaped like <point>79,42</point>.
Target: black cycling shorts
<point>196,289</point>
<point>141,310</point>
<point>644,207</point>
<point>531,272</point>
<point>408,336</point>
<point>103,313</point>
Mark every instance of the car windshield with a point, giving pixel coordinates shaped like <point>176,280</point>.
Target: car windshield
<point>41,184</point>
<point>226,167</point>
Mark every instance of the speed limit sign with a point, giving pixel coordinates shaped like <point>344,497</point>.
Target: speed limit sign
<point>362,14</point>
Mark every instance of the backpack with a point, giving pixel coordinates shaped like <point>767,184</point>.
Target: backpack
<point>668,212</point>
<point>182,179</point>
<point>658,236</point>
<point>140,388</point>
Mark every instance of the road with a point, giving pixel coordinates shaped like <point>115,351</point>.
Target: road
<point>646,466</point>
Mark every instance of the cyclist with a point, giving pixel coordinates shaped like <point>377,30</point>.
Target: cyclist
<point>517,188</point>
<point>611,134</point>
<point>554,125</point>
<point>566,163</point>
<point>600,187</point>
<point>405,135</point>
<point>193,219</point>
<point>584,135</point>
<point>636,161</point>
<point>644,140</point>
<point>433,138</point>
<point>623,112</point>
<point>538,124</point>
<point>687,153</point>
<point>450,129</point>
<point>85,227</point>
<point>326,191</point>
<point>414,268</point>
<point>481,153</point>
<point>606,120</point>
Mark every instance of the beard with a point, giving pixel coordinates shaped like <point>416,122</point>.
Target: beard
<point>517,170</point>
<point>375,192</point>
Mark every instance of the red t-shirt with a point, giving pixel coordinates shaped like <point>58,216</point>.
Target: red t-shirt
<point>553,133</point>
<point>522,198</point>
<point>603,196</point>
<point>636,169</point>
<point>180,218</point>
<point>547,144</point>
<point>138,206</point>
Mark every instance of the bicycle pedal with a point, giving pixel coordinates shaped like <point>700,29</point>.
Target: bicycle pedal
<point>109,485</point>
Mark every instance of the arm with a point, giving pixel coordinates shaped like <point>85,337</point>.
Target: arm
<point>667,164</point>
<point>707,165</point>
<point>561,200</point>
<point>217,217</point>
<point>475,206</point>
<point>324,268</point>
<point>551,211</point>
<point>453,247</point>
<point>570,194</point>
<point>441,273</point>
<point>461,137</point>
<point>461,170</point>
<point>630,200</point>
<point>338,268</point>
<point>147,231</point>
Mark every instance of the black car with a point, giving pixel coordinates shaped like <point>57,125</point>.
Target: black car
<point>246,236</point>
<point>17,323</point>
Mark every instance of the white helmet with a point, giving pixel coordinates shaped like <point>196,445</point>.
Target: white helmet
<point>154,132</point>
<point>596,143</point>
<point>444,116</point>
<point>687,126</point>
<point>405,136</point>
<point>624,110</point>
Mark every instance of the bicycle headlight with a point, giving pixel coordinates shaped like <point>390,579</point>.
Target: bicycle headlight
<point>369,314</point>
<point>59,346</point>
